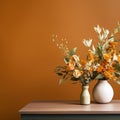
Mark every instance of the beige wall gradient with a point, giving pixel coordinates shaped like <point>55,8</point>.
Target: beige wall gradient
<point>28,57</point>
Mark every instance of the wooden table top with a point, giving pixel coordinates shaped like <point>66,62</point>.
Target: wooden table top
<point>70,107</point>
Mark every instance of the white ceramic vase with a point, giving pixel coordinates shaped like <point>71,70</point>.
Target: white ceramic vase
<point>85,95</point>
<point>103,92</point>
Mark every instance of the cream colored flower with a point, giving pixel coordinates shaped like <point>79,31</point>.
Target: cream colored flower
<point>106,32</point>
<point>107,57</point>
<point>98,29</point>
<point>96,66</point>
<point>101,37</point>
<point>93,49</point>
<point>76,58</point>
<point>87,43</point>
<point>115,58</point>
<point>71,65</point>
<point>77,73</point>
<point>88,65</point>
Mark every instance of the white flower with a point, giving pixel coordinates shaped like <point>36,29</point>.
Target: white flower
<point>87,43</point>
<point>101,37</point>
<point>77,73</point>
<point>98,29</point>
<point>88,64</point>
<point>93,49</point>
<point>96,66</point>
<point>115,58</point>
<point>106,32</point>
<point>76,58</point>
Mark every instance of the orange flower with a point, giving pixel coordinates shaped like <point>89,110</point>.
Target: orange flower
<point>118,58</point>
<point>90,69</point>
<point>113,43</point>
<point>68,68</point>
<point>104,63</point>
<point>96,57</point>
<point>77,73</point>
<point>71,65</point>
<point>111,69</point>
<point>108,75</point>
<point>107,57</point>
<point>100,69</point>
<point>90,56</point>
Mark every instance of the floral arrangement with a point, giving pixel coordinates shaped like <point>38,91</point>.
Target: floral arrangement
<point>102,61</point>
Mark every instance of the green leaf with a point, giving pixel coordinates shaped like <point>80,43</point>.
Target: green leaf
<point>60,74</point>
<point>82,80</point>
<point>117,74</point>
<point>74,79</point>
<point>66,60</point>
<point>117,66</point>
<point>99,52</point>
<point>99,76</point>
<point>72,52</point>
<point>63,79</point>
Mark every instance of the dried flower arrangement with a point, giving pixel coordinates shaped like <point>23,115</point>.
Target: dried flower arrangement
<point>102,62</point>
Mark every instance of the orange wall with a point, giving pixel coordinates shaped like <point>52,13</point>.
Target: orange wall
<point>27,55</point>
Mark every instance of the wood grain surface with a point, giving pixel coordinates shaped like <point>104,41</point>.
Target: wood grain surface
<point>70,107</point>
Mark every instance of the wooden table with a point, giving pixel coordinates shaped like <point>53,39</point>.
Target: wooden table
<point>70,110</point>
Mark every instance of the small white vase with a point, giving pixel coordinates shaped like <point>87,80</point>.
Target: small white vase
<point>103,92</point>
<point>85,95</point>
